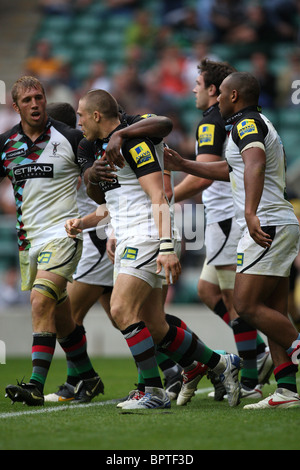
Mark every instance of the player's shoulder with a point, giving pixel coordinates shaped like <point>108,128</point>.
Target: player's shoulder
<point>73,136</point>
<point>249,123</point>
<point>8,134</point>
<point>66,130</point>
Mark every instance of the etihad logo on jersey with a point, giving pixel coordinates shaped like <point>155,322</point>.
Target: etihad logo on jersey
<point>246,127</point>
<point>33,170</point>
<point>206,134</point>
<point>142,154</point>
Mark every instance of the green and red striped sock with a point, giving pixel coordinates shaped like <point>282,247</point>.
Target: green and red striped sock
<point>43,347</point>
<point>141,345</point>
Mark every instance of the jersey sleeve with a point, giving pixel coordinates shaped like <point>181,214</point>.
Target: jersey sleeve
<point>210,139</point>
<point>141,156</point>
<point>249,132</point>
<point>85,154</point>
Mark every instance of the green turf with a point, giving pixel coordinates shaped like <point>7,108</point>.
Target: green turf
<point>201,425</point>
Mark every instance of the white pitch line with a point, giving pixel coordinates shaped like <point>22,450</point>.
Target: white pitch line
<point>54,409</point>
<point>35,410</point>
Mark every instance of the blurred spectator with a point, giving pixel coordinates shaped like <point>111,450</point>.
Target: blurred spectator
<point>64,87</point>
<point>141,31</point>
<point>241,22</point>
<point>43,65</point>
<point>267,80</point>
<point>284,16</point>
<point>225,16</point>
<point>185,27</point>
<point>285,79</point>
<point>170,71</point>
<point>199,50</point>
<point>140,39</point>
<point>97,79</point>
<point>128,88</point>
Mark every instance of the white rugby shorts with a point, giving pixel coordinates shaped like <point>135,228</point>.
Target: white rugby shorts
<point>59,256</point>
<point>274,261</point>
<point>94,266</point>
<point>221,239</point>
<point>137,257</point>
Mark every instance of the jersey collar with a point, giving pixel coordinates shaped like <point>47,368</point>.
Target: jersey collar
<point>241,112</point>
<point>210,109</point>
<point>47,126</point>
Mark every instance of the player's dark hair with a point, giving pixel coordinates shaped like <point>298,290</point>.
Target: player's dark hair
<point>214,72</point>
<point>103,102</point>
<point>247,86</point>
<point>63,112</point>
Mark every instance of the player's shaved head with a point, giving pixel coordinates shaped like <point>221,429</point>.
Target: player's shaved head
<point>246,85</point>
<point>102,101</point>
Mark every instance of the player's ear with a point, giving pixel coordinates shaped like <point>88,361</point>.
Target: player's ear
<point>16,107</point>
<point>97,116</point>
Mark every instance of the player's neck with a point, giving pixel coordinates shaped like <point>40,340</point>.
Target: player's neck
<point>108,127</point>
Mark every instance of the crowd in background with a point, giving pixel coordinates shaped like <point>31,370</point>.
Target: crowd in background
<point>162,44</point>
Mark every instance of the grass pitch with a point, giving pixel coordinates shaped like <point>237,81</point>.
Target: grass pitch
<point>201,425</point>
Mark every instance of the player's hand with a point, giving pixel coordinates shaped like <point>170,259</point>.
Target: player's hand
<point>170,263</point>
<point>73,227</point>
<point>259,236</point>
<point>113,151</point>
<point>111,248</point>
<point>173,161</point>
<point>101,171</point>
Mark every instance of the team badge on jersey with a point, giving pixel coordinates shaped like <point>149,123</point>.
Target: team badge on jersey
<point>141,154</point>
<point>206,134</point>
<point>246,127</point>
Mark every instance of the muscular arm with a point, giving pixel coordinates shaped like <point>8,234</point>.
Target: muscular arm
<point>208,170</point>
<point>192,185</point>
<point>152,185</point>
<point>254,176</point>
<point>152,127</point>
<point>94,191</point>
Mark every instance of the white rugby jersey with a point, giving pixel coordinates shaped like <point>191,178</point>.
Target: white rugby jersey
<point>211,139</point>
<point>44,176</point>
<point>130,208</point>
<point>86,206</point>
<point>250,128</point>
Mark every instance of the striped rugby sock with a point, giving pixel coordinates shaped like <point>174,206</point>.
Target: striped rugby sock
<point>43,347</point>
<point>184,348</point>
<point>221,311</point>
<point>141,345</point>
<point>78,362</point>
<point>245,339</point>
<point>285,376</point>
